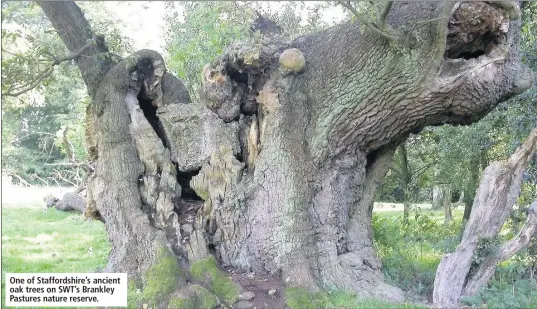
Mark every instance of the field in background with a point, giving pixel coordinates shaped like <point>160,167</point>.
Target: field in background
<point>37,241</point>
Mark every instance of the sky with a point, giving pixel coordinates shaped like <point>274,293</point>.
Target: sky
<point>143,21</point>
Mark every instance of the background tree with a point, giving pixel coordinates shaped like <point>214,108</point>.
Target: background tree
<point>43,131</point>
<point>210,26</point>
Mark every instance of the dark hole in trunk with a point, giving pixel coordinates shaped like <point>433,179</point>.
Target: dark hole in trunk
<point>470,55</point>
<point>471,50</point>
<point>212,249</point>
<point>150,113</point>
<point>187,193</point>
<point>238,77</point>
<point>371,158</point>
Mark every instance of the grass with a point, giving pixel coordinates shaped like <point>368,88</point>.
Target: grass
<point>34,241</point>
<point>410,254</point>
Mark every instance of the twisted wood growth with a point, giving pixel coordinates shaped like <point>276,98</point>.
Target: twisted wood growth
<point>275,170</point>
<point>506,251</point>
<point>497,193</point>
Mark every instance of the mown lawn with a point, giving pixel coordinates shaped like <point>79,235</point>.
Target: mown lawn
<point>34,241</point>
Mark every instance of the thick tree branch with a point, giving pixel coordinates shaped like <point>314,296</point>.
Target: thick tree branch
<point>46,73</point>
<point>506,250</point>
<point>498,191</point>
<point>76,33</point>
<point>384,14</point>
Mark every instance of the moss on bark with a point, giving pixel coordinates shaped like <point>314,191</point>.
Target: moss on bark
<point>162,278</point>
<point>198,297</point>
<point>207,271</point>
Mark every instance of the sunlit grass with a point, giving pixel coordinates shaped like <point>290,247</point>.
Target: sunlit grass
<point>34,241</point>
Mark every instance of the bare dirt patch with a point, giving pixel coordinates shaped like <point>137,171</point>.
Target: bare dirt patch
<point>261,285</point>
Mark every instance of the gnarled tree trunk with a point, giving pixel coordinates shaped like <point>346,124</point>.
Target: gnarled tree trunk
<point>288,145</point>
<point>497,193</point>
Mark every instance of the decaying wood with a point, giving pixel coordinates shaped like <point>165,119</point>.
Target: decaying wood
<point>497,193</point>
<point>71,201</point>
<point>508,249</point>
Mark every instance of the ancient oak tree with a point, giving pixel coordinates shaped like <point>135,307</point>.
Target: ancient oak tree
<point>275,169</point>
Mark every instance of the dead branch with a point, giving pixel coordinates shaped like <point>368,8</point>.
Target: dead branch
<point>507,250</point>
<point>47,72</point>
<point>21,180</point>
<point>58,175</point>
<point>43,180</point>
<point>498,190</point>
<point>54,179</point>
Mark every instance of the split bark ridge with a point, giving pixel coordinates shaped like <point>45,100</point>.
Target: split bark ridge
<point>497,193</point>
<point>275,170</point>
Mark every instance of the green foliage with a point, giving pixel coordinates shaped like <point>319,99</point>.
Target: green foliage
<point>410,252</point>
<point>207,270</point>
<point>296,298</point>
<point>34,122</point>
<point>103,23</point>
<point>411,176</point>
<point>508,289</point>
<point>208,28</point>
<point>485,248</point>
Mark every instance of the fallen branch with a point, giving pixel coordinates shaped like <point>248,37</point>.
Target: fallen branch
<point>21,180</point>
<point>43,180</point>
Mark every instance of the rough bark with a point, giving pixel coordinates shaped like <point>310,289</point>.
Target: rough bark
<point>75,31</point>
<point>286,148</point>
<point>497,193</point>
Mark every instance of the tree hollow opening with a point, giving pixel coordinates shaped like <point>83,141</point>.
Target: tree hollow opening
<point>184,178</point>
<point>150,113</point>
<point>475,29</point>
